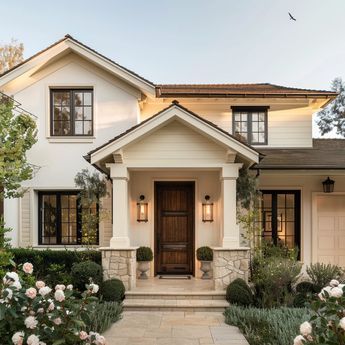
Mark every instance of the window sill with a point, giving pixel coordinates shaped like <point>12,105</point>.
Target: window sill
<point>71,139</point>
<point>68,246</point>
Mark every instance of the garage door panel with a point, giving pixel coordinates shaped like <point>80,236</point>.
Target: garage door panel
<point>341,242</point>
<point>342,224</point>
<point>326,224</point>
<point>327,259</point>
<point>326,242</point>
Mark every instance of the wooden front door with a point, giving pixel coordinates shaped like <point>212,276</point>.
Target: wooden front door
<point>174,227</point>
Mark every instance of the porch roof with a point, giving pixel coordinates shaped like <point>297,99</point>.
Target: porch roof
<point>175,110</point>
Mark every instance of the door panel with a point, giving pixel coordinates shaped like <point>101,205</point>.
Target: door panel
<point>174,227</point>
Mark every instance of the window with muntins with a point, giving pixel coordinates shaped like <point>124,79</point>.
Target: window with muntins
<point>250,125</point>
<point>280,217</point>
<point>71,112</point>
<point>60,218</point>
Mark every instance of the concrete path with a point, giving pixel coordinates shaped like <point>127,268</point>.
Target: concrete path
<point>173,328</point>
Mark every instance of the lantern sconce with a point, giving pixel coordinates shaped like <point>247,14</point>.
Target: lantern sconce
<point>142,208</point>
<point>207,210</point>
<point>328,185</point>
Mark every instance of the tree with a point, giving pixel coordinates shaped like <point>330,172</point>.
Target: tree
<point>11,54</point>
<point>333,116</point>
<point>92,189</point>
<point>18,133</point>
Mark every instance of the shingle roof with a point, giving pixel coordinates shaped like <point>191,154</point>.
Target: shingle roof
<point>236,90</point>
<point>173,104</point>
<point>325,154</point>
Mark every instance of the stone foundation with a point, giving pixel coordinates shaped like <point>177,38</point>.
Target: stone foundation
<point>120,264</point>
<point>229,264</point>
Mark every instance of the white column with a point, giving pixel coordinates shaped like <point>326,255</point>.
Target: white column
<point>231,230</point>
<point>120,177</point>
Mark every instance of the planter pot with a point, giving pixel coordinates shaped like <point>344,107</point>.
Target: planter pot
<point>206,267</point>
<point>143,267</point>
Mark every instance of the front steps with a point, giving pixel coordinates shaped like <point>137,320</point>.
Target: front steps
<point>211,301</point>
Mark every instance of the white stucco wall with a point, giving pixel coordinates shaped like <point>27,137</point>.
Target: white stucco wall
<point>206,182</point>
<point>309,184</point>
<point>115,110</point>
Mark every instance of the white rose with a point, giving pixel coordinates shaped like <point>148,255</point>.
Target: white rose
<point>44,291</point>
<point>60,287</point>
<point>31,293</point>
<point>9,294</point>
<point>40,310</point>
<point>299,340</point>
<point>69,287</point>
<point>17,338</point>
<point>334,283</point>
<point>100,340</point>
<point>57,321</point>
<point>28,268</point>
<point>16,285</point>
<point>59,295</point>
<point>342,323</point>
<point>40,284</point>
<point>33,340</point>
<point>326,289</point>
<point>83,335</point>
<point>94,288</point>
<point>30,322</point>
<point>305,328</point>
<point>336,292</point>
<point>10,277</point>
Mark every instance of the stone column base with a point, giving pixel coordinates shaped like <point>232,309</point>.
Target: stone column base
<point>229,264</point>
<point>120,263</point>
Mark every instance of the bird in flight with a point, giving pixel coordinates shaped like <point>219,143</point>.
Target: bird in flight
<point>291,17</point>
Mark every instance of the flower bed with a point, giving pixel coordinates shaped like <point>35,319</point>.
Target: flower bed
<point>33,313</point>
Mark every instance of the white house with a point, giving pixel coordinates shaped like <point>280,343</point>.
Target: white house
<point>173,145</point>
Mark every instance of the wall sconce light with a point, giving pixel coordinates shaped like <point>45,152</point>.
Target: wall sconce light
<point>142,208</point>
<point>328,185</point>
<point>207,210</point>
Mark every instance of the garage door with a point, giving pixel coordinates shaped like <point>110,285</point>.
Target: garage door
<point>330,246</point>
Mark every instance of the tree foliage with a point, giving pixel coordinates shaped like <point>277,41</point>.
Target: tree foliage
<point>333,116</point>
<point>246,189</point>
<point>11,54</point>
<point>92,189</point>
<point>18,134</point>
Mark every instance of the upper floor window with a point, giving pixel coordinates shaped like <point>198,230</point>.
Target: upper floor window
<point>250,124</point>
<point>71,112</point>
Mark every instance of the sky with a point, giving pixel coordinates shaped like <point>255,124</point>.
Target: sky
<point>195,41</point>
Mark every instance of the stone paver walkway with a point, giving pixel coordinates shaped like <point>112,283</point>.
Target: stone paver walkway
<point>173,328</point>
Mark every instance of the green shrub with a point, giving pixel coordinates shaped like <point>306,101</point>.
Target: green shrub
<point>306,287</point>
<point>267,326</point>
<point>83,272</point>
<point>238,292</point>
<point>57,274</point>
<point>104,315</point>
<point>321,274</point>
<point>43,259</point>
<point>113,290</point>
<point>300,300</point>
<point>144,254</point>
<point>204,254</point>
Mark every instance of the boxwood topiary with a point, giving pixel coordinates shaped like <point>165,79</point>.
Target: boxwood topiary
<point>113,290</point>
<point>144,254</point>
<point>204,254</point>
<point>300,300</point>
<point>306,287</point>
<point>238,292</point>
<point>84,271</point>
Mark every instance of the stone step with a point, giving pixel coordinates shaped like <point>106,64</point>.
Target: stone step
<point>152,304</point>
<point>203,295</point>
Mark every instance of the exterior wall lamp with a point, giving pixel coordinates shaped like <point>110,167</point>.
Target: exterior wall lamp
<point>207,210</point>
<point>142,210</point>
<point>328,185</point>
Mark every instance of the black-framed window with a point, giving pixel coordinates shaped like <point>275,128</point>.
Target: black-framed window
<point>71,112</point>
<point>250,124</point>
<point>59,218</point>
<point>280,217</point>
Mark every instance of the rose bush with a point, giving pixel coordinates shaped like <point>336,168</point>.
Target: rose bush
<point>327,324</point>
<point>41,315</point>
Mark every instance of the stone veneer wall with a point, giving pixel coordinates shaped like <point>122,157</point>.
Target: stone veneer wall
<point>229,264</point>
<point>120,264</point>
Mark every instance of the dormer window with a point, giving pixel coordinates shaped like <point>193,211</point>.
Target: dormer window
<point>71,112</point>
<point>249,124</point>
